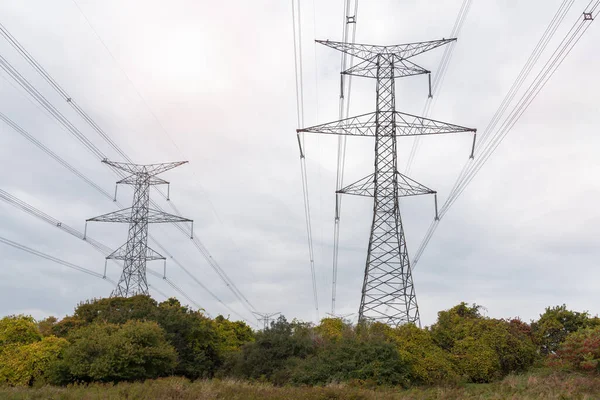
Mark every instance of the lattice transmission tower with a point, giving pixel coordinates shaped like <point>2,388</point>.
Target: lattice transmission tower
<point>135,252</point>
<point>388,293</point>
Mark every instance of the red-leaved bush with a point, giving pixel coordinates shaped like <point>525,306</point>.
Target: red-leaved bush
<point>580,351</point>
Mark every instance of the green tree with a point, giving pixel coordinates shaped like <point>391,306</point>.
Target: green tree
<point>430,364</point>
<point>371,361</point>
<point>483,349</point>
<point>110,353</point>
<point>232,335</point>
<point>193,335</point>
<point>32,363</point>
<point>555,324</point>
<point>269,355</point>
<point>579,351</point>
<point>18,329</point>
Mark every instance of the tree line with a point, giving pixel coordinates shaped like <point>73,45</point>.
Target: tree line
<point>137,338</point>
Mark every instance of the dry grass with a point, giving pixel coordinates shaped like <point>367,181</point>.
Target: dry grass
<point>541,385</point>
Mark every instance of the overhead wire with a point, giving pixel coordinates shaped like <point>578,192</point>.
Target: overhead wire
<point>439,77</point>
<point>346,61</point>
<point>493,138</point>
<point>54,259</point>
<point>159,124</point>
<point>36,95</point>
<point>299,79</point>
<point>105,250</point>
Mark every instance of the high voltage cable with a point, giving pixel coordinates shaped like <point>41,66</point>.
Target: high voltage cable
<point>299,77</point>
<point>349,25</point>
<point>547,71</point>
<point>54,259</point>
<point>160,125</point>
<point>93,149</point>
<point>105,250</point>
<point>438,79</point>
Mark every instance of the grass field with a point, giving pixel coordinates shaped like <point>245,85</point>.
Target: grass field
<point>523,387</point>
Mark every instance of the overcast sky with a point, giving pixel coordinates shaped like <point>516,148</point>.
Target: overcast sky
<point>219,76</point>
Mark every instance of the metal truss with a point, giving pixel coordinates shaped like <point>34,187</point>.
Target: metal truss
<point>388,293</point>
<point>135,252</point>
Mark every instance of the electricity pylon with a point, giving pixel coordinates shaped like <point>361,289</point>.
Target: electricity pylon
<point>265,318</point>
<point>135,252</point>
<point>388,293</point>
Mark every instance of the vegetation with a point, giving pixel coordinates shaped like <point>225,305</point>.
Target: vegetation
<point>129,340</point>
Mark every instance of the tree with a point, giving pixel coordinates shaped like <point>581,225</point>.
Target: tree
<point>371,361</point>
<point>110,353</point>
<point>18,329</point>
<point>430,364</point>
<point>30,364</point>
<point>232,335</point>
<point>555,324</point>
<point>579,351</point>
<point>483,349</point>
<point>268,356</point>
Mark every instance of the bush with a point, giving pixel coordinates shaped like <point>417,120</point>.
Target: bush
<point>18,330</point>
<point>483,349</point>
<point>270,355</point>
<point>110,353</point>
<point>30,364</point>
<point>429,363</point>
<point>350,358</point>
<point>555,324</point>
<point>580,351</point>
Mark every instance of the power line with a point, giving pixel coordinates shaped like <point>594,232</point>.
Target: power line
<point>105,250</point>
<point>438,80</point>
<point>298,66</point>
<point>54,259</point>
<point>492,140</point>
<point>348,29</point>
<point>32,91</point>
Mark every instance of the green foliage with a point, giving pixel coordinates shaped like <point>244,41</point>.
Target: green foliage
<point>555,324</point>
<point>18,330</point>
<point>331,328</point>
<point>580,351</point>
<point>370,361</point>
<point>232,335</point>
<point>193,336</point>
<point>483,349</point>
<point>29,364</point>
<point>46,326</point>
<point>430,364</point>
<point>268,357</point>
<point>110,353</point>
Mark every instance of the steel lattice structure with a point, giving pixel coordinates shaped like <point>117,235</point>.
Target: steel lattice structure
<point>388,293</point>
<point>135,252</point>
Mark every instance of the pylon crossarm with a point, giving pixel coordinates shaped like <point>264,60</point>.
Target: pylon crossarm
<point>402,68</point>
<point>121,254</point>
<point>158,217</point>
<point>133,179</point>
<point>367,51</point>
<point>149,169</point>
<point>413,125</point>
<point>123,215</point>
<point>406,187</point>
<point>405,125</point>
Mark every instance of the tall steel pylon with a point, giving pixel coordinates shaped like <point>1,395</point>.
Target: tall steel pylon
<point>135,252</point>
<point>388,293</point>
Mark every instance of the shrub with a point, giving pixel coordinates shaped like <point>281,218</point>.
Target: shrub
<point>111,353</point>
<point>555,324</point>
<point>350,358</point>
<point>580,351</point>
<point>429,363</point>
<point>31,363</point>
<point>19,330</point>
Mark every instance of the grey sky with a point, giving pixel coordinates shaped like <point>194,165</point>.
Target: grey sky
<point>219,76</point>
